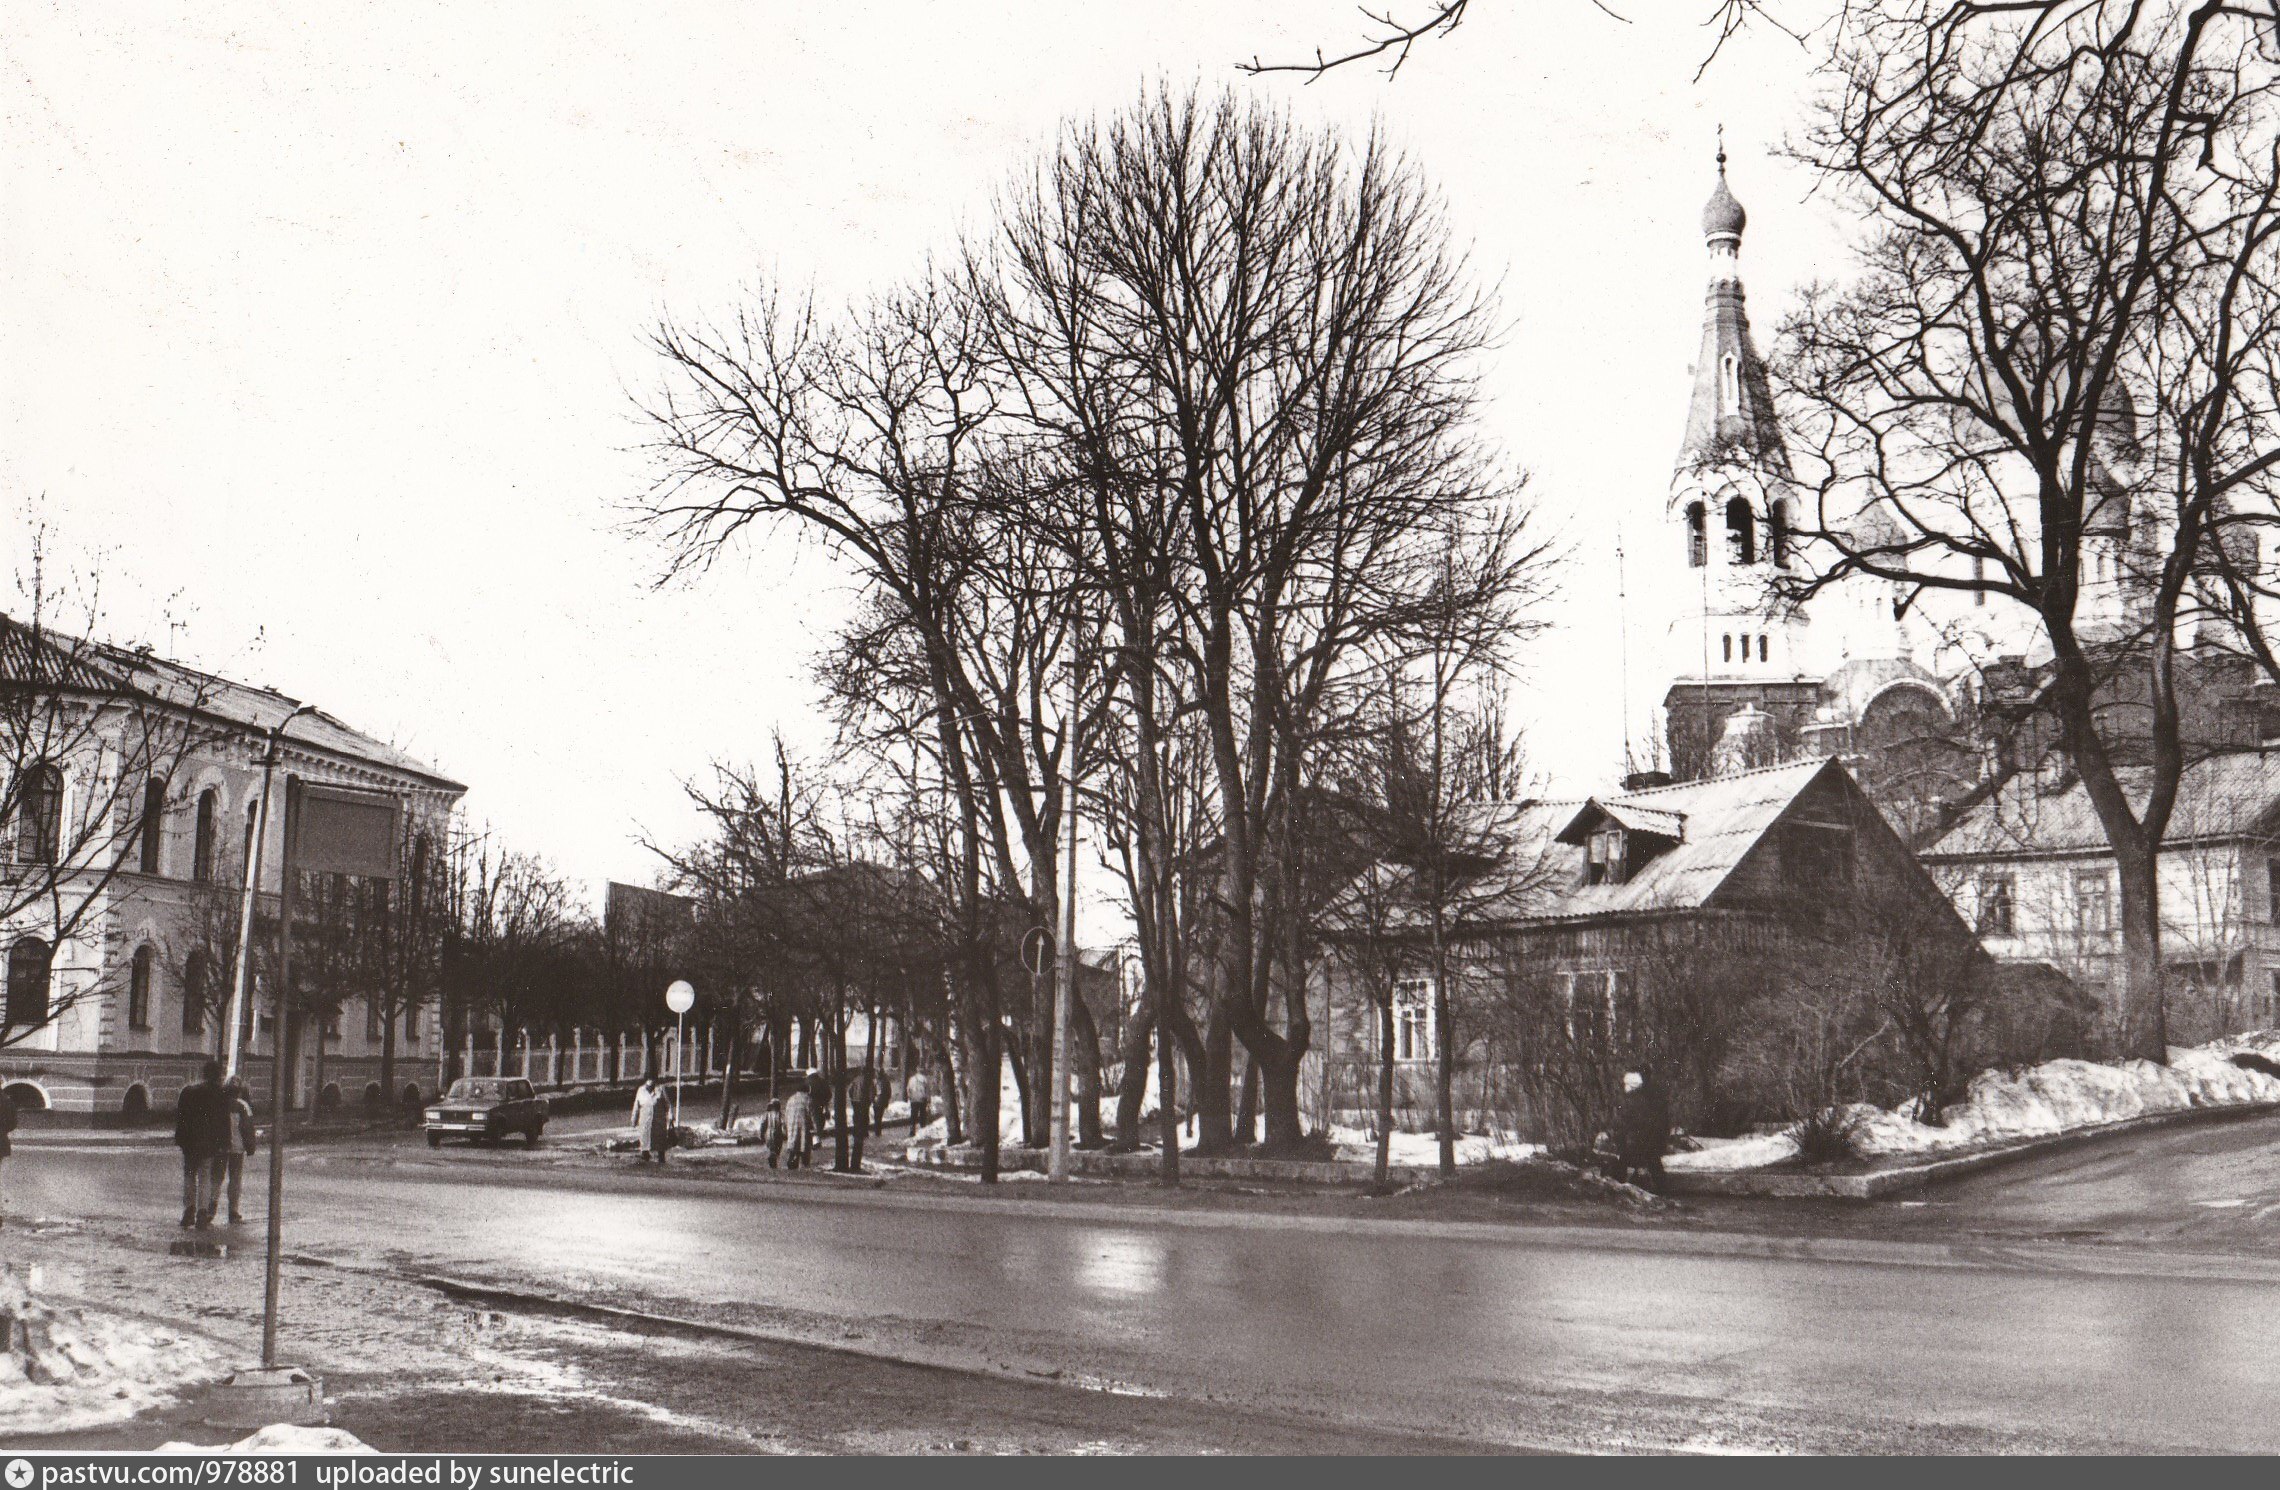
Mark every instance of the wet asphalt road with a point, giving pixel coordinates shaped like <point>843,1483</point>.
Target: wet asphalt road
<point>1554,1336</point>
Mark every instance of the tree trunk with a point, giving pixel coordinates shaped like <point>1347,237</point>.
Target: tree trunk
<point>1084,1040</point>
<point>387,1061</point>
<point>836,1053</point>
<point>1021,1090</point>
<point>1132,1082</point>
<point>985,1064</point>
<point>728,1076</point>
<point>1214,1122</point>
<point>2145,1012</point>
<point>1247,1110</point>
<point>1383,1176</point>
<point>1167,1096</point>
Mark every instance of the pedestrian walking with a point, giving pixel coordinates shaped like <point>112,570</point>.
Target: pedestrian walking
<point>653,1120</point>
<point>799,1127</point>
<point>7,1125</point>
<point>1642,1130</point>
<point>772,1131</point>
<point>245,1137</point>
<point>203,1131</point>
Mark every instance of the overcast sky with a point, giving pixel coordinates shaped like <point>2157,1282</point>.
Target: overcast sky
<point>319,325</point>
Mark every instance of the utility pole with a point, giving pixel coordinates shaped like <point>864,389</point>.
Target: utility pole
<point>1065,996</point>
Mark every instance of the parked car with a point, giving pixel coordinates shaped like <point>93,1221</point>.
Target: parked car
<point>487,1109</point>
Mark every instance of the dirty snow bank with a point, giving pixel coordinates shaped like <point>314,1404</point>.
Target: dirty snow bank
<point>63,1368</point>
<point>2002,1107</point>
<point>1359,1146</point>
<point>280,1438</point>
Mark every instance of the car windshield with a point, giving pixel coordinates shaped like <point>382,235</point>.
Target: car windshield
<point>476,1088</point>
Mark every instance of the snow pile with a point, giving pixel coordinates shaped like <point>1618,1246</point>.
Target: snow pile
<point>63,1368</point>
<point>2005,1107</point>
<point>1423,1150</point>
<point>281,1438</point>
<point>1725,1155</point>
<point>2062,1096</point>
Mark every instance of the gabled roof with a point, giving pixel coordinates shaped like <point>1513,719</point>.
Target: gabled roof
<point>1623,813</point>
<point>2236,795</point>
<point>1539,873</point>
<point>54,660</point>
<point>1724,818</point>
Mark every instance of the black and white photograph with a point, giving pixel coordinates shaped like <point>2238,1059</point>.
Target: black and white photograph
<point>1232,727</point>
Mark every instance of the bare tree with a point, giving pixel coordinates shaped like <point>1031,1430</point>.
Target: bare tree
<point>1263,335</point>
<point>2001,401</point>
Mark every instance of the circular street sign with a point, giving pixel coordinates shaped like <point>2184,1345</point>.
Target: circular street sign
<point>1036,948</point>
<point>680,997</point>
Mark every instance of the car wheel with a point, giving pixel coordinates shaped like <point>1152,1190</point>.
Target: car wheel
<point>530,1135</point>
<point>435,1140</point>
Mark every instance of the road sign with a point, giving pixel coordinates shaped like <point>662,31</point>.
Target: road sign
<point>1036,948</point>
<point>680,997</point>
<point>339,830</point>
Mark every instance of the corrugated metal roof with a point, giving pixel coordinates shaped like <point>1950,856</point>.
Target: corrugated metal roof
<point>2225,796</point>
<point>1538,877</point>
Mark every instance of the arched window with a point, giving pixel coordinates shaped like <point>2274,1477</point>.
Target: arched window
<point>39,815</point>
<point>29,963</point>
<point>197,986</point>
<point>1741,532</point>
<point>202,849</point>
<point>1764,647</point>
<point>138,987</point>
<point>1730,384</point>
<point>1697,535</point>
<point>153,828</point>
<point>1728,639</point>
<point>1777,534</point>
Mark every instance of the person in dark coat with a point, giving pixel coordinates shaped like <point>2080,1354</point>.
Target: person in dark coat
<point>772,1131</point>
<point>1642,1130</point>
<point>244,1139</point>
<point>205,1130</point>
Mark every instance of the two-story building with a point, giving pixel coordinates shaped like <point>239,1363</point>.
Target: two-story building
<point>2031,868</point>
<point>131,802</point>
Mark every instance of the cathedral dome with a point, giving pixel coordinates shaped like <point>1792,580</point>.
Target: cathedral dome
<point>1722,216</point>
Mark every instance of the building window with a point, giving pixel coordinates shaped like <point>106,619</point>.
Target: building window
<point>1591,1008</point>
<point>1605,857</point>
<point>1741,533</point>
<point>1777,533</point>
<point>30,963</point>
<point>197,987</point>
<point>1728,640</point>
<point>411,1029</point>
<point>138,988</point>
<point>2094,901</point>
<point>372,1020</point>
<point>153,823</point>
<point>39,815</point>
<point>2272,891</point>
<point>1816,854</point>
<point>1730,384</point>
<point>1413,1019</point>
<point>1997,913</point>
<point>1697,535</point>
<point>1765,648</point>
<point>202,847</point>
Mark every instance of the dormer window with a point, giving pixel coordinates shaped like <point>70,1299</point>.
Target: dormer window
<point>1606,857</point>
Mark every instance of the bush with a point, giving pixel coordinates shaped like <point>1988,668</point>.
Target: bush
<point>1826,1136</point>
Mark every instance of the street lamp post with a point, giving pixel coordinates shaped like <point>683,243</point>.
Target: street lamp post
<point>680,998</point>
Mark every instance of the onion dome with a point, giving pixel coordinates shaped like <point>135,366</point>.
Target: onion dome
<point>1722,216</point>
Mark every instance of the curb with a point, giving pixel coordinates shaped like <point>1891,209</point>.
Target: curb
<point>1794,1184</point>
<point>1144,1165</point>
